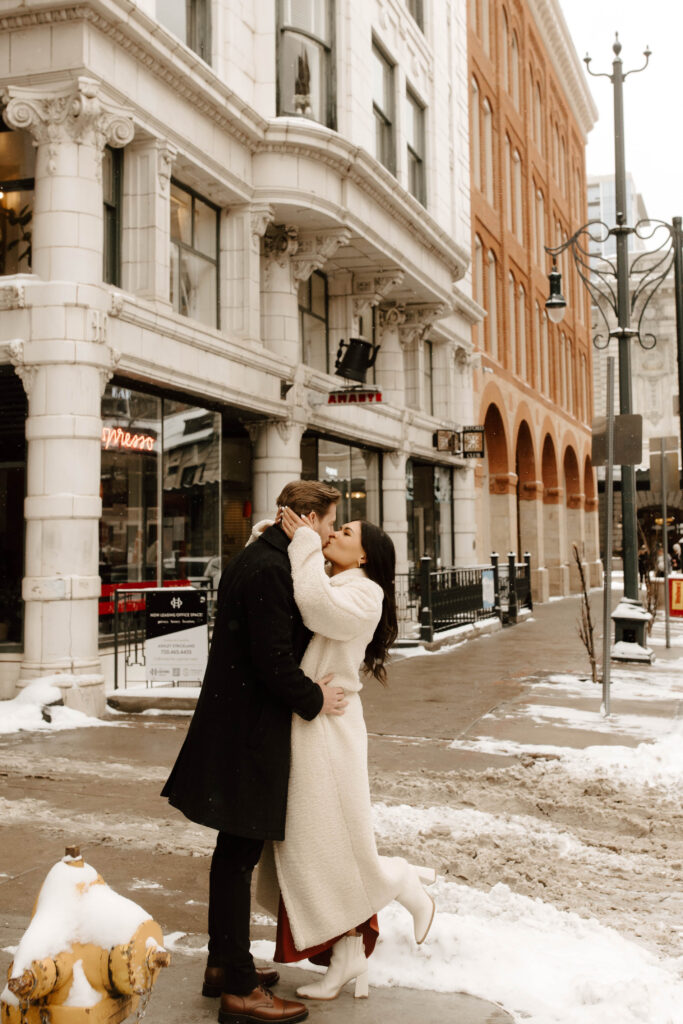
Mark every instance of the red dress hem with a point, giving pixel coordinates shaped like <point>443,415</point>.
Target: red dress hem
<point>287,953</point>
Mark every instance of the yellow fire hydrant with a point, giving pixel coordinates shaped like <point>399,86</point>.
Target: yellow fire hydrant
<point>89,955</point>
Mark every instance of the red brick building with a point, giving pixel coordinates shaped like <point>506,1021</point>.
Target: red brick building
<point>530,112</point>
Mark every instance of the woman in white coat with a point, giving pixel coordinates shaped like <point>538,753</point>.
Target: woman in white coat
<point>326,881</point>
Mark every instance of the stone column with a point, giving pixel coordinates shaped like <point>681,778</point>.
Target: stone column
<point>146,227</point>
<point>389,374</point>
<point>531,530</point>
<point>418,320</point>
<point>395,508</point>
<point>291,256</point>
<point>575,535</point>
<point>243,228</point>
<point>503,512</point>
<point>555,537</point>
<point>70,128</point>
<point>464,515</point>
<point>64,364</point>
<point>592,542</point>
<point>277,460</point>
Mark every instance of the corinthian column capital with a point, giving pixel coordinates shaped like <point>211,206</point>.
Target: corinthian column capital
<point>419,319</point>
<point>315,249</point>
<point>75,114</point>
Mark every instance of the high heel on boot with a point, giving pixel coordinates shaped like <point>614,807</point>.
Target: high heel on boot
<point>417,902</point>
<point>348,962</point>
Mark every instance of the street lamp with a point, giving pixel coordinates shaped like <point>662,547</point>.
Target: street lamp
<point>609,287</point>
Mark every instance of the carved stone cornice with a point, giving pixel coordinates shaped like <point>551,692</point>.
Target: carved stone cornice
<point>280,242</point>
<point>372,288</point>
<point>261,215</point>
<point>420,318</point>
<point>24,371</point>
<point>166,154</point>
<point>77,114</point>
<point>315,249</point>
<point>288,429</point>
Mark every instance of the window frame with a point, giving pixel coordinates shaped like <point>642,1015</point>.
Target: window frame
<point>416,11</point>
<point>111,240</point>
<point>414,158</point>
<point>196,252</point>
<point>17,185</point>
<point>387,118</point>
<point>197,28</point>
<point>329,49</point>
<point>308,311</point>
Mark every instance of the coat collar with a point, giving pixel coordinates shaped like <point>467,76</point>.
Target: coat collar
<point>276,537</point>
<point>349,574</point>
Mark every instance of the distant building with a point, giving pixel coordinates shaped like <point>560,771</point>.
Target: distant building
<point>530,112</point>
<point>602,205</point>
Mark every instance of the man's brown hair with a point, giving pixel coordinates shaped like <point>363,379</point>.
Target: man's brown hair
<point>304,496</point>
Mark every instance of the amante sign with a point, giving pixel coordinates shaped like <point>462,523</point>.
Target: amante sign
<point>355,397</point>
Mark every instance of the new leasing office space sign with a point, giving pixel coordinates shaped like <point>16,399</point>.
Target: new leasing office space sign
<point>177,644</point>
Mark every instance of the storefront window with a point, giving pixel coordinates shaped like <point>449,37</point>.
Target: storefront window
<point>313,313</point>
<point>17,162</point>
<point>353,471</point>
<point>423,512</point>
<point>194,255</point>
<point>163,456</point>
<point>305,65</point>
<point>12,490</point>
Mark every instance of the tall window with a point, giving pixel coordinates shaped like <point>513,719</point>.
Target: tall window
<point>505,52</point>
<point>512,325</point>
<point>383,109</point>
<point>509,208</point>
<point>517,189</point>
<point>563,372</point>
<point>521,324</point>
<point>538,118</point>
<point>514,70</point>
<point>190,20</point>
<point>488,152</point>
<point>570,377</point>
<point>476,135</point>
<point>415,8</point>
<point>545,356</point>
<point>540,227</point>
<point>538,334</point>
<point>478,282</point>
<point>194,255</point>
<point>415,146</point>
<point>485,31</point>
<point>492,319</point>
<point>305,78</point>
<point>17,162</point>
<point>112,183</point>
<point>428,377</point>
<point>313,314</point>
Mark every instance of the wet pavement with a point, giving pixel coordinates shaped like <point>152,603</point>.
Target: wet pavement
<point>99,788</point>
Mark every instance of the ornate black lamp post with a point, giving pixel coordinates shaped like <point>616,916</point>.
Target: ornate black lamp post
<point>608,285</point>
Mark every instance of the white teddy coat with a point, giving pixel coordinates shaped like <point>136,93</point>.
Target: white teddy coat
<point>327,868</point>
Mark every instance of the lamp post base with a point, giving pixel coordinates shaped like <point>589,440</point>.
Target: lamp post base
<point>630,622</point>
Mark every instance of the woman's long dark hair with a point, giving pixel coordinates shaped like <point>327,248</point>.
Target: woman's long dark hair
<point>380,566</point>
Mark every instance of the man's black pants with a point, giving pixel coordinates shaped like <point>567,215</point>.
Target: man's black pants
<point>232,865</point>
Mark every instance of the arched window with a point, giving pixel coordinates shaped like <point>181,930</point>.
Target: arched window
<point>545,354</point>
<point>505,51</point>
<point>538,372</point>
<point>514,70</point>
<point>538,118</point>
<point>521,332</point>
<point>563,167</point>
<point>476,135</point>
<point>509,208</point>
<point>562,370</point>
<point>540,227</point>
<point>488,152</point>
<point>570,377</point>
<point>517,188</point>
<point>478,284</point>
<point>492,305</point>
<point>512,325</point>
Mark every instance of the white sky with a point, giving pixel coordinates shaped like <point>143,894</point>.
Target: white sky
<point>652,100</point>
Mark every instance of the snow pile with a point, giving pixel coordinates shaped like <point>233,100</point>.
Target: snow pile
<point>543,965</point>
<point>75,905</point>
<point>34,708</point>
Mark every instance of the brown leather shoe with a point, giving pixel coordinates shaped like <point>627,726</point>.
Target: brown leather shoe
<point>259,1005</point>
<point>214,977</point>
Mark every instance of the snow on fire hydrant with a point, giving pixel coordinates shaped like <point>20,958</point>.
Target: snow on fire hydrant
<point>89,956</point>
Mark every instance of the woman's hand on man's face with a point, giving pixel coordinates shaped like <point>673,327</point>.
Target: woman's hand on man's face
<point>291,522</point>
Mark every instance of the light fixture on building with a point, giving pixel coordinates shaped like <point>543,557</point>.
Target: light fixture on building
<point>472,443</point>
<point>354,359</point>
<point>556,303</point>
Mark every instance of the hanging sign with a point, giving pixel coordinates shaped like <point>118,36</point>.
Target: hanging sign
<point>177,641</point>
<point>472,443</point>
<point>356,397</point>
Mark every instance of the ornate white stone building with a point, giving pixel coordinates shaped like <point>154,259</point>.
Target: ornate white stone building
<point>199,201</point>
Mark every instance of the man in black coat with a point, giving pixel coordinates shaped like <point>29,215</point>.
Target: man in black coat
<point>232,772</point>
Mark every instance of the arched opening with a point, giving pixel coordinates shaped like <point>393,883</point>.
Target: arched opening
<point>500,489</point>
<point>525,468</point>
<point>549,467</point>
<point>496,441</point>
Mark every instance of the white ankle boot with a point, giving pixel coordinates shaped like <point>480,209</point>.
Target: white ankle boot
<point>417,902</point>
<point>348,961</point>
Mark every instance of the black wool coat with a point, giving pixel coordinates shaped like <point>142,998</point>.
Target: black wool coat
<point>233,769</point>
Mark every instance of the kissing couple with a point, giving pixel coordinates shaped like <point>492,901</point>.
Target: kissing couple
<point>275,757</point>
